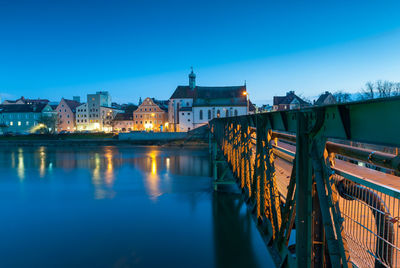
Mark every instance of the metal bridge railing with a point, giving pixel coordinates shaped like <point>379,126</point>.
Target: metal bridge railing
<point>370,222</point>
<point>300,171</point>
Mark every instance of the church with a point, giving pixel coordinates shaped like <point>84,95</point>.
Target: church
<point>193,106</point>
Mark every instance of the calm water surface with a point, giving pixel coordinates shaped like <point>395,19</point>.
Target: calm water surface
<point>120,207</point>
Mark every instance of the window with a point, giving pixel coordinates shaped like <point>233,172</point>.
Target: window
<point>227,113</point>
<point>11,123</point>
<point>183,113</point>
<point>67,115</point>
<point>27,123</point>
<point>60,110</point>
<point>188,120</point>
<point>201,115</point>
<point>19,123</point>
<point>209,114</point>
<point>236,112</point>
<point>68,122</point>
<point>218,113</point>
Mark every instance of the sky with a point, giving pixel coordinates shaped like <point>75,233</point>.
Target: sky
<point>145,48</point>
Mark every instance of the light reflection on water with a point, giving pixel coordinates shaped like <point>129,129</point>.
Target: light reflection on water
<point>120,207</point>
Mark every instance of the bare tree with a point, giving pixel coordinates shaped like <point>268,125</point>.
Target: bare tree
<point>368,92</point>
<point>387,89</point>
<point>342,97</point>
<point>396,89</point>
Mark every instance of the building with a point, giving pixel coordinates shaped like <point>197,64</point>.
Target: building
<point>325,99</point>
<point>193,106</point>
<point>26,118</point>
<point>151,115</point>
<point>96,114</point>
<point>289,102</point>
<point>66,110</point>
<point>22,100</point>
<point>123,122</point>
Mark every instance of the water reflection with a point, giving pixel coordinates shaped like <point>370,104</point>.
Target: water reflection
<point>21,165</point>
<point>118,198</point>
<point>155,165</point>
<point>230,217</point>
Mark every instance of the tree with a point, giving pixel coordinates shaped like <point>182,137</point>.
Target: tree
<point>49,121</point>
<point>341,97</point>
<point>368,92</point>
<point>396,89</point>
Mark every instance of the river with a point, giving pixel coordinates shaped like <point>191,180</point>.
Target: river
<point>120,207</point>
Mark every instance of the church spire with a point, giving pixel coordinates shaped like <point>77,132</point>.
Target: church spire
<point>192,79</point>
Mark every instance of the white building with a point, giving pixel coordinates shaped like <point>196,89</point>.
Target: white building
<point>97,114</point>
<point>193,106</point>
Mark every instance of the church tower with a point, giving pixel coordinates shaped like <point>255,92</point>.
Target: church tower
<point>192,80</point>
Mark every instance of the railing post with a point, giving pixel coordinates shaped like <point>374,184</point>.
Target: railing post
<point>304,193</point>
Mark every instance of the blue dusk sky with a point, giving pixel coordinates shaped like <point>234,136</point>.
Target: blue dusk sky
<point>53,49</point>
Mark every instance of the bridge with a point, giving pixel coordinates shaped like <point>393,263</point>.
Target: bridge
<point>322,183</point>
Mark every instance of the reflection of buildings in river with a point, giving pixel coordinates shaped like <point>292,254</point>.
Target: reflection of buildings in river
<point>21,164</point>
<point>185,165</point>
<point>42,158</point>
<point>232,232</point>
<point>152,179</point>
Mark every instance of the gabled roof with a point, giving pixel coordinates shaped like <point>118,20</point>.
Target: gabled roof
<point>163,104</point>
<point>220,96</point>
<point>22,108</point>
<point>321,100</point>
<point>183,92</point>
<point>72,104</point>
<point>290,96</point>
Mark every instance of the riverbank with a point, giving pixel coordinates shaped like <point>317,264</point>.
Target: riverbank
<point>100,142</point>
<point>195,138</point>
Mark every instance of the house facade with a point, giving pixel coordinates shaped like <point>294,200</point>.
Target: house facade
<point>66,111</point>
<point>289,102</point>
<point>25,118</point>
<point>123,122</point>
<point>151,115</point>
<point>325,99</point>
<point>96,114</point>
<point>193,106</point>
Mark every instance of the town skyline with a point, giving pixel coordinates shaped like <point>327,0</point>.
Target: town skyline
<point>68,49</point>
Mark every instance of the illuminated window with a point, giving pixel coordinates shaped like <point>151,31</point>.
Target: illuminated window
<point>19,123</point>
<point>11,123</point>
<point>218,113</point>
<point>27,123</point>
